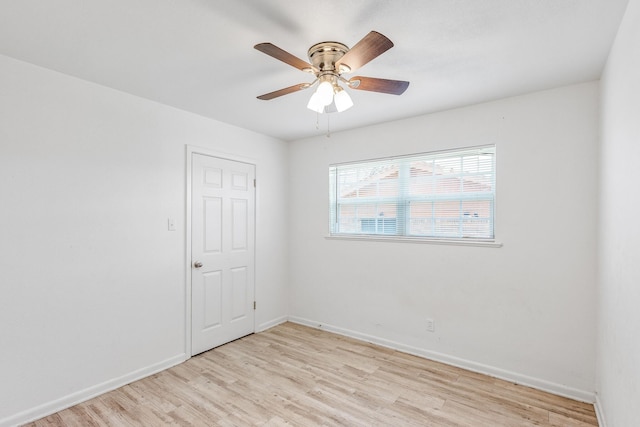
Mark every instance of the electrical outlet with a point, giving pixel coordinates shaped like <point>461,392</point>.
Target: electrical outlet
<point>431,327</point>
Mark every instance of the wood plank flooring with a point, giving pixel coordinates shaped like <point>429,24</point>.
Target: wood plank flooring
<point>297,376</point>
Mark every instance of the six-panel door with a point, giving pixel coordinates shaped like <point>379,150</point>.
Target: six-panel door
<point>222,238</point>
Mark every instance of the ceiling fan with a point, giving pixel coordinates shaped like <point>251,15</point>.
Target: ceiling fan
<point>328,61</point>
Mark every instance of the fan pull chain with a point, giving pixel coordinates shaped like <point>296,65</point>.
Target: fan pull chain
<point>328,126</point>
<point>317,121</point>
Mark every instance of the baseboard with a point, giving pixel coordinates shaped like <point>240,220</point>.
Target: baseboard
<point>270,324</point>
<point>602,421</point>
<point>540,384</point>
<point>88,393</point>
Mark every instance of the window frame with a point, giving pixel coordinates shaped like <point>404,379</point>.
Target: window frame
<point>403,200</point>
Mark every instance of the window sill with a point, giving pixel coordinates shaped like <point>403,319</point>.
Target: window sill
<point>429,241</point>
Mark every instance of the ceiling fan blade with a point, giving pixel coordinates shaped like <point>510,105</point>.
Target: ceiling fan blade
<point>371,46</point>
<point>393,87</point>
<point>284,56</point>
<point>285,91</point>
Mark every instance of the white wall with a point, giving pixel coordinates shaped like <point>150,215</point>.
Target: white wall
<point>618,367</point>
<point>525,311</point>
<point>92,284</point>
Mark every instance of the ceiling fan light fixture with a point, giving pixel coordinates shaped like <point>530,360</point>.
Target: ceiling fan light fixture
<point>342,100</point>
<point>315,104</point>
<point>325,93</point>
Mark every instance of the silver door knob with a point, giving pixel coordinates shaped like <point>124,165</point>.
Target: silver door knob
<point>197,264</point>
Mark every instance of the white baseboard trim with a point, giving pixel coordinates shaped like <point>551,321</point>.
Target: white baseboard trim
<point>602,421</point>
<point>540,384</point>
<point>88,393</point>
<point>271,323</point>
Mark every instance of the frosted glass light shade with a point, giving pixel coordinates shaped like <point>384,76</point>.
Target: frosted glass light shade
<point>315,104</point>
<point>343,101</point>
<point>325,93</point>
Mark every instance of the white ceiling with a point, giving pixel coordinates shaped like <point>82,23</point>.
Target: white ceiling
<point>197,55</point>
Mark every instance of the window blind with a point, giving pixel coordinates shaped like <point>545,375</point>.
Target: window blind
<point>447,194</point>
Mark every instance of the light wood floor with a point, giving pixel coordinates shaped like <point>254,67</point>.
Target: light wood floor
<point>294,375</point>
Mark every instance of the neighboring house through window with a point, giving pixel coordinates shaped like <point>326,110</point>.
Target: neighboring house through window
<point>442,195</point>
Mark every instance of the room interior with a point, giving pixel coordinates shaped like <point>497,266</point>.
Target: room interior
<point>100,105</point>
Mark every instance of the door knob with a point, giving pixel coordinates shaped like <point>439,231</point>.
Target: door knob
<point>197,264</point>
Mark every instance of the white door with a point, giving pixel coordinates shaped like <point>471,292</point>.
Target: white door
<point>222,251</point>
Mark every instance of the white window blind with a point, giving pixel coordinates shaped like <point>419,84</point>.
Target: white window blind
<point>446,195</point>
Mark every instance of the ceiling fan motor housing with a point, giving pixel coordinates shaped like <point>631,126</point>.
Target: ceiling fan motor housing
<point>325,55</point>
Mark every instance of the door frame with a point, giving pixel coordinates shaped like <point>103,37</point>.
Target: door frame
<point>190,151</point>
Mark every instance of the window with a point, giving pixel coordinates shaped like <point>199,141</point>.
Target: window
<point>441,195</point>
